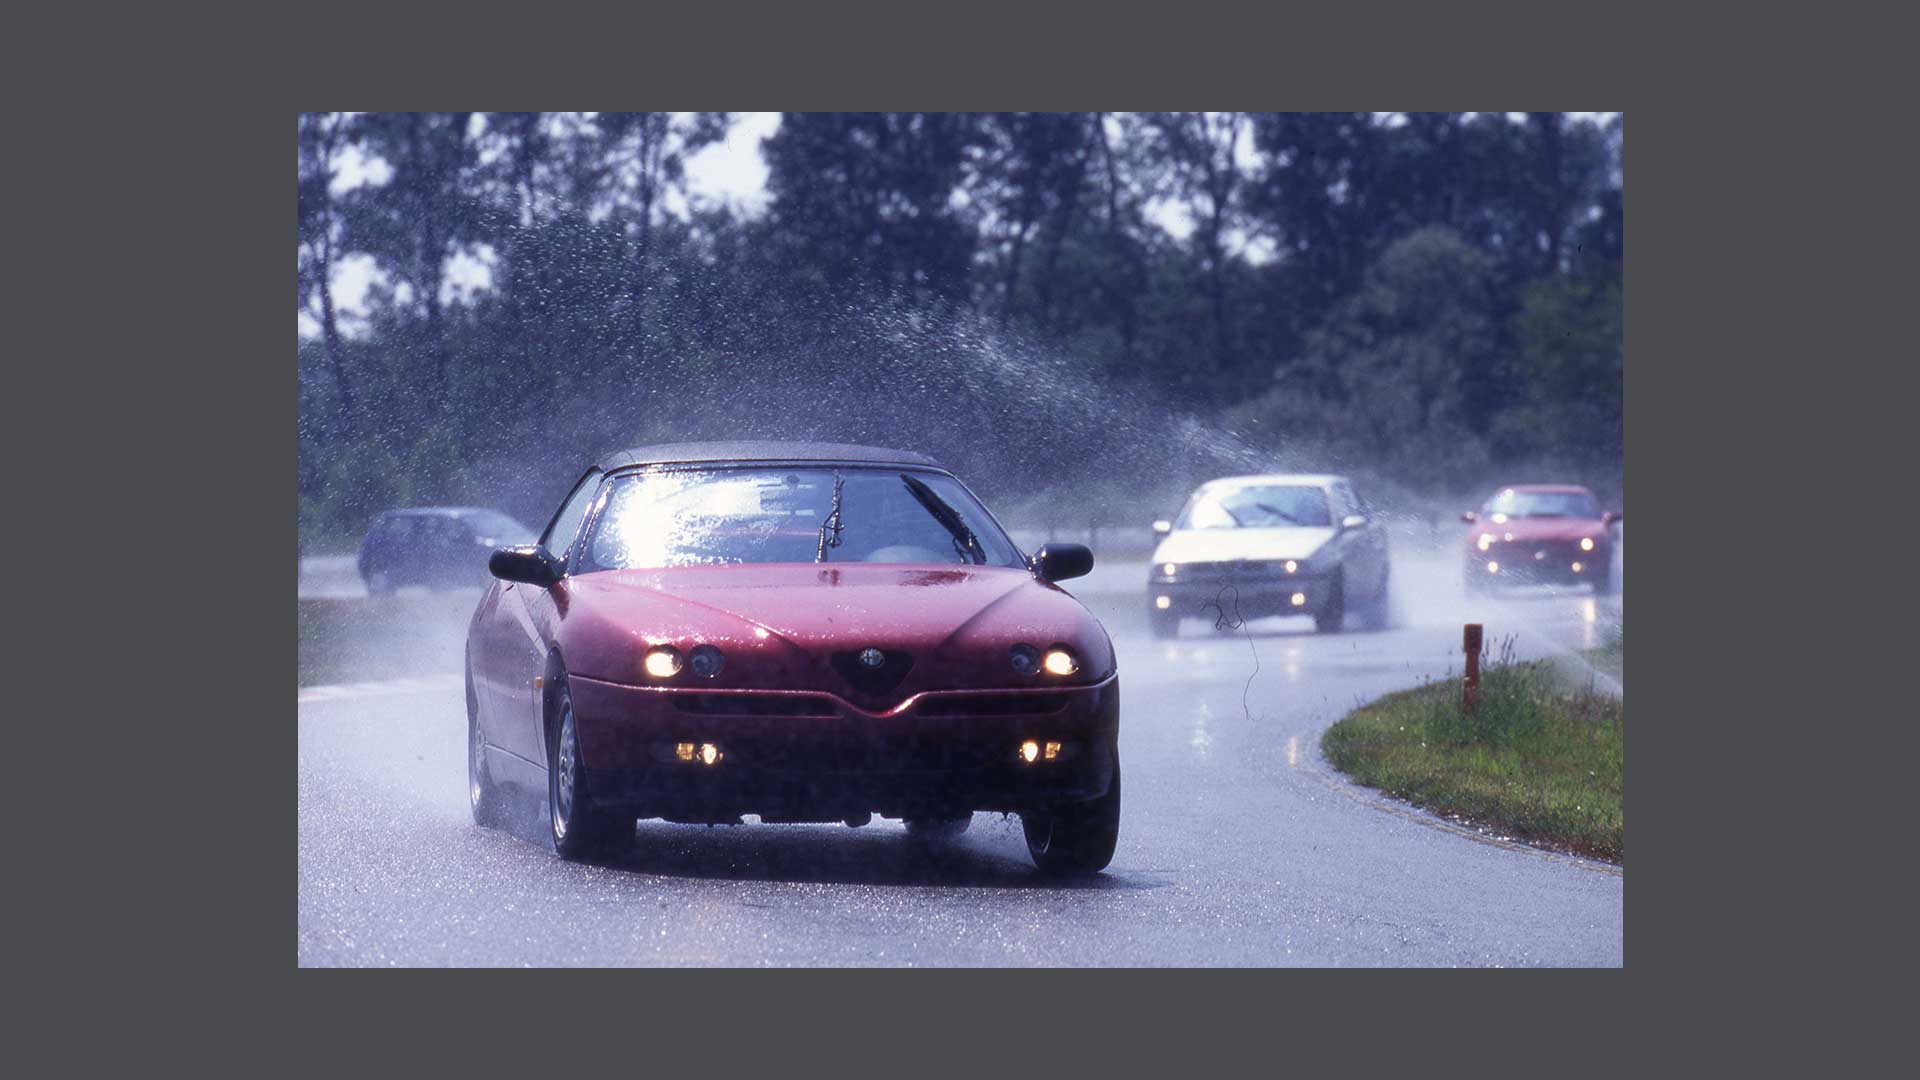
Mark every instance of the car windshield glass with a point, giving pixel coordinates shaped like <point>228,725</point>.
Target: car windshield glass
<point>494,526</point>
<point>1523,504</point>
<point>1257,506</point>
<point>695,517</point>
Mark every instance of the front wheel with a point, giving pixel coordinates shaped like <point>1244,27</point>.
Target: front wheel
<point>1332,614</point>
<point>579,830</point>
<point>1603,580</point>
<point>1379,610</point>
<point>1077,838</point>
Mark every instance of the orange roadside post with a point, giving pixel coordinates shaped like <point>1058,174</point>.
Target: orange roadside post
<point>1470,684</point>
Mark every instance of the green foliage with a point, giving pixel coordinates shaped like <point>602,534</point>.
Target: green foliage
<point>435,475</point>
<point>1438,302</point>
<point>361,483</point>
<point>1539,758</point>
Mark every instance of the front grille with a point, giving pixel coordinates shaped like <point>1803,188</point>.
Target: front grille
<point>873,681</point>
<point>752,705</point>
<point>992,705</point>
<point>1232,570</point>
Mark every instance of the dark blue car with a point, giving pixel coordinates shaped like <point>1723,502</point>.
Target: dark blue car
<point>435,546</point>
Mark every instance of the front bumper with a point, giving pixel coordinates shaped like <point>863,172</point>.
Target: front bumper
<point>1537,564</point>
<point>1248,597</point>
<point>807,756</point>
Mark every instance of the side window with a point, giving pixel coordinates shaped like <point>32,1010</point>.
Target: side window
<point>559,535</point>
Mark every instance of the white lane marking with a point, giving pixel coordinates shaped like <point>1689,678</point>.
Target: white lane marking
<point>412,684</point>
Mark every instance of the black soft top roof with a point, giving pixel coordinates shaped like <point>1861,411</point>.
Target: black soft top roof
<point>719,452</point>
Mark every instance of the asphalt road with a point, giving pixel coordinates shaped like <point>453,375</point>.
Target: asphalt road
<point>1238,845</point>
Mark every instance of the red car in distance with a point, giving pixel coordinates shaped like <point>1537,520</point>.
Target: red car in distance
<point>1540,534</point>
<point>802,632</point>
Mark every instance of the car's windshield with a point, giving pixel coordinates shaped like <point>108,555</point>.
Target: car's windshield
<point>1525,504</point>
<point>1256,506</point>
<point>498,528</point>
<point>694,517</point>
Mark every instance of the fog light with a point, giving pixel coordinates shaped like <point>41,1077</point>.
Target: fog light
<point>709,753</point>
<point>1163,602</point>
<point>1061,662</point>
<point>1052,751</point>
<point>1029,751</point>
<point>1292,566</point>
<point>1493,568</point>
<point>1299,599</point>
<point>1577,568</point>
<point>1586,543</point>
<point>684,751</point>
<point>663,662</point>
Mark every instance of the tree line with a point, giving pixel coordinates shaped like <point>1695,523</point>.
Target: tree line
<point>1059,305</point>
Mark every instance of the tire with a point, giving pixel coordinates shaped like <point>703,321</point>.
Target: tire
<point>1164,625</point>
<point>1379,610</point>
<point>1333,614</point>
<point>488,802</point>
<point>1078,838</point>
<point>578,829</point>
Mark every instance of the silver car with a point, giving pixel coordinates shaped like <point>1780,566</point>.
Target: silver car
<point>1245,547</point>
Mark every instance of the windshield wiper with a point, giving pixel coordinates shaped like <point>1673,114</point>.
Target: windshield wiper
<point>1276,512</point>
<point>964,542</point>
<point>832,524</point>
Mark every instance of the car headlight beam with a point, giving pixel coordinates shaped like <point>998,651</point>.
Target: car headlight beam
<point>663,661</point>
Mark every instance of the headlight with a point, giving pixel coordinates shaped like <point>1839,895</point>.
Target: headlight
<point>1169,569</point>
<point>1486,541</point>
<point>1061,662</point>
<point>1586,543</point>
<point>1292,566</point>
<point>706,661</point>
<point>663,661</point>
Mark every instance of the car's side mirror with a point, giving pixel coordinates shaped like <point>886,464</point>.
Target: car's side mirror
<point>1058,562</point>
<point>528,564</point>
<point>1613,517</point>
<point>1162,528</point>
<point>1354,521</point>
<point>1469,516</point>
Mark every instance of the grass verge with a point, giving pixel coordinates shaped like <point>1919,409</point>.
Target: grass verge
<point>1540,759</point>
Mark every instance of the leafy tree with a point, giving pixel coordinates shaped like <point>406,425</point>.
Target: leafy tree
<point>864,203</point>
<point>321,136</point>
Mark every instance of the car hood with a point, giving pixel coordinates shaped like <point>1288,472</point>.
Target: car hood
<point>781,624</point>
<point>1539,530</point>
<point>1226,545</point>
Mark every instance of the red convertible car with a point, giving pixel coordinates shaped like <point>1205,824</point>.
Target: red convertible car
<point>1540,534</point>
<point>802,632</point>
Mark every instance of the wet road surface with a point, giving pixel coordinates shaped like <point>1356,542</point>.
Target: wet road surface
<point>1238,844</point>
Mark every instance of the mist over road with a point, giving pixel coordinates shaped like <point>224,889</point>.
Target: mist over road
<point>1238,845</point>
